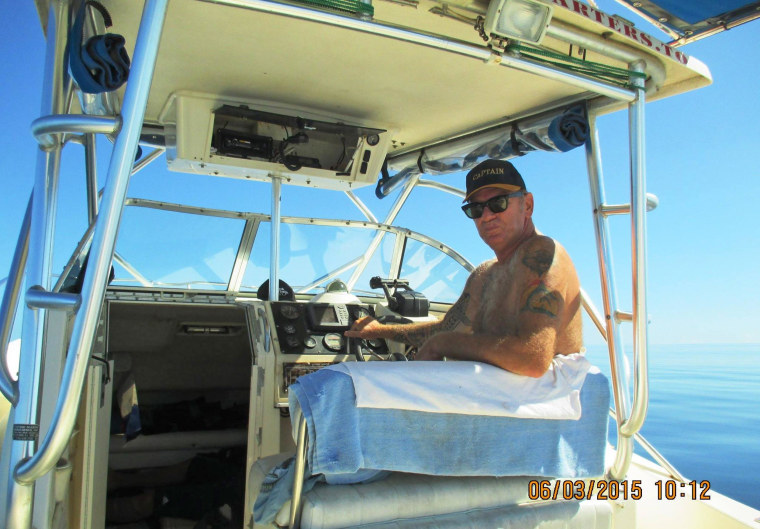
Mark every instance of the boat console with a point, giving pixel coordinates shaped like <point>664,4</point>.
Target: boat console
<point>317,328</point>
<point>309,336</point>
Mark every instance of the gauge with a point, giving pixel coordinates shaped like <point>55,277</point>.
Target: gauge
<point>292,341</point>
<point>333,341</point>
<point>310,342</point>
<point>290,312</point>
<point>375,343</point>
<point>289,328</point>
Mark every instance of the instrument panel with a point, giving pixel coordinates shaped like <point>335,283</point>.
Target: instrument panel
<point>317,329</point>
<point>310,336</point>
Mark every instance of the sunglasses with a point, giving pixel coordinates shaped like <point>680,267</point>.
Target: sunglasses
<point>496,204</point>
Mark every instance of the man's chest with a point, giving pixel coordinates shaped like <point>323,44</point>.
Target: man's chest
<point>496,300</point>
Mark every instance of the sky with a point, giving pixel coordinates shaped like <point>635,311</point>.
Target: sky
<point>701,160</point>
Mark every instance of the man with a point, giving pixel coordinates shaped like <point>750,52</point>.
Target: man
<point>517,311</point>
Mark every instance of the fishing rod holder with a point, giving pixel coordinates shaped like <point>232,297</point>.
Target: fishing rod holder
<point>39,298</point>
<point>623,209</point>
<point>47,129</point>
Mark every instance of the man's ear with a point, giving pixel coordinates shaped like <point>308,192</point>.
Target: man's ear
<point>529,204</point>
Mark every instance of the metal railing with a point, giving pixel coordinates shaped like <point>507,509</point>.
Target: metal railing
<point>49,132</point>
<point>597,320</point>
<point>629,416</point>
<point>8,387</point>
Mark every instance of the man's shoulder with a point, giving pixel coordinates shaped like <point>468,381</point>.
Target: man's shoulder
<point>483,267</point>
<point>537,253</point>
<point>480,273</point>
<point>537,243</point>
<point>541,253</point>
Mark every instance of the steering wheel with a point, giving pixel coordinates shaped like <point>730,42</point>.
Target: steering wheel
<point>286,292</point>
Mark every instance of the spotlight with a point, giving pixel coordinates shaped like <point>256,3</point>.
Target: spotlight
<point>525,20</point>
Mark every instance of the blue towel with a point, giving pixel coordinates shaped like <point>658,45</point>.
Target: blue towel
<point>570,130</point>
<point>277,488</point>
<point>349,444</point>
<point>101,64</point>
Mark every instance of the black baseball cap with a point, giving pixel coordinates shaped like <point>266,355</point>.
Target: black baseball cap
<point>494,173</point>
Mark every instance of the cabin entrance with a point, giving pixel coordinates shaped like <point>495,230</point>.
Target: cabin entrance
<point>180,388</point>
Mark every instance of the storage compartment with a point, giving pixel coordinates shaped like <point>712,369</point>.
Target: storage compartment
<point>179,423</point>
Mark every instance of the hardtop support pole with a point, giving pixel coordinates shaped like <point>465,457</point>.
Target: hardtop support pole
<point>639,261</point>
<point>274,254</point>
<point>609,296</point>
<point>101,255</point>
<point>8,386</point>
<point>16,499</point>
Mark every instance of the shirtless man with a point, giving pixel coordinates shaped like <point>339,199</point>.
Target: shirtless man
<point>517,311</point>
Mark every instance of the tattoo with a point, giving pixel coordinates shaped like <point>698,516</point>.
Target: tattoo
<point>418,336</point>
<point>539,261</point>
<point>456,314</point>
<point>414,337</point>
<point>537,298</point>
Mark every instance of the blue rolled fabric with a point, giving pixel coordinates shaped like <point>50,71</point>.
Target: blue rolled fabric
<point>102,63</point>
<point>570,130</point>
<point>277,488</point>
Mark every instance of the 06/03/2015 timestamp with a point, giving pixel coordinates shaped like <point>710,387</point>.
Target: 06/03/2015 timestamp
<point>615,490</point>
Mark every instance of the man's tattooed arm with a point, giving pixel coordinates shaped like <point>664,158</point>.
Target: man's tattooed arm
<point>539,260</point>
<point>539,299</point>
<point>417,334</point>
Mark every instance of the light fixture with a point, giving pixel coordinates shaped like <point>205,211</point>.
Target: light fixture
<point>525,20</point>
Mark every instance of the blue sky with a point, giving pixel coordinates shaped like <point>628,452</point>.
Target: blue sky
<point>701,159</point>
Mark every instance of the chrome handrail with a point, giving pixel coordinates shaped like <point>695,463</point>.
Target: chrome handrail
<point>104,239</point>
<point>606,274</point>
<point>639,257</point>
<point>596,318</point>
<point>629,418</point>
<point>593,313</point>
<point>8,387</point>
<point>47,128</point>
<point>658,457</point>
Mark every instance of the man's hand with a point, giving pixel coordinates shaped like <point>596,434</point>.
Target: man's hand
<point>366,327</point>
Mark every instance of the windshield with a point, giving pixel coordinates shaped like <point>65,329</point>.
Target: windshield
<point>312,255</point>
<point>168,249</point>
<point>172,246</point>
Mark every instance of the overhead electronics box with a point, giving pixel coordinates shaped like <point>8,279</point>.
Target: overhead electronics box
<point>258,141</point>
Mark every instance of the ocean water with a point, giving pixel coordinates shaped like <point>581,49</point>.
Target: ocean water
<point>704,413</point>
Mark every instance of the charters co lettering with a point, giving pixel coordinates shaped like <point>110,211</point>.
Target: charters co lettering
<point>624,29</point>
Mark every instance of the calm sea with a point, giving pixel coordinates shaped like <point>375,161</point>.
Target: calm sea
<point>704,413</point>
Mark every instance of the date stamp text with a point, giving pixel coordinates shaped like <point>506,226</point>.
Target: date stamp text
<point>600,489</point>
